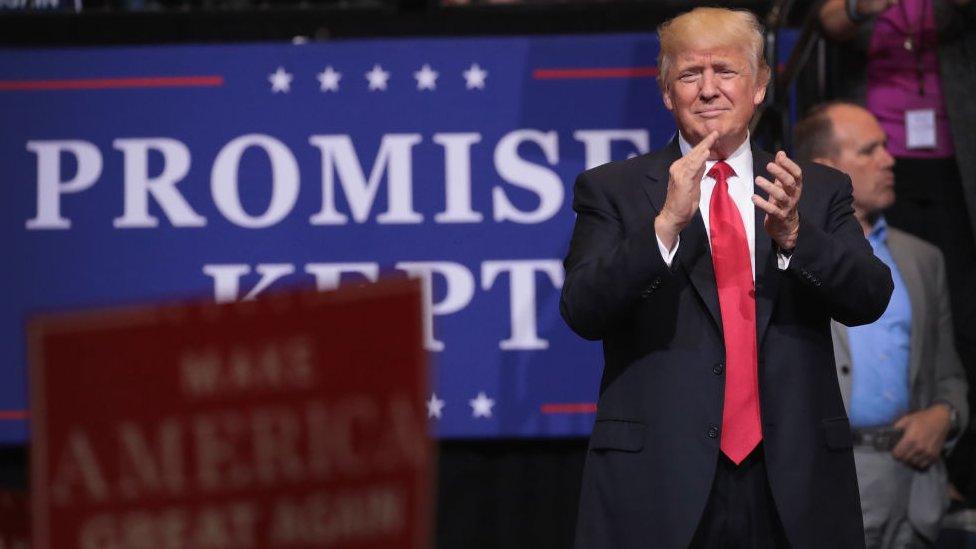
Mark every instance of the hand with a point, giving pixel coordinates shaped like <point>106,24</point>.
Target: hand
<point>684,191</point>
<point>925,435</point>
<point>782,218</point>
<point>869,8</point>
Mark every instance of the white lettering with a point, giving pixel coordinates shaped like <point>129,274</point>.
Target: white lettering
<point>284,181</point>
<point>138,184</point>
<point>227,279</point>
<point>457,177</point>
<point>151,471</point>
<point>597,143</point>
<point>329,275</point>
<point>521,298</point>
<point>394,159</point>
<point>78,465</point>
<point>545,183</point>
<point>460,290</point>
<point>50,186</point>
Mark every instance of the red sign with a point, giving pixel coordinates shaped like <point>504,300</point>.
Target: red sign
<point>297,420</point>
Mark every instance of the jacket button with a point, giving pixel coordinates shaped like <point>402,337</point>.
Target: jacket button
<point>718,369</point>
<point>713,431</point>
<point>845,369</point>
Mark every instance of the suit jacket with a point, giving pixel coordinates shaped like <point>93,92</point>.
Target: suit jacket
<point>655,443</point>
<point>935,372</point>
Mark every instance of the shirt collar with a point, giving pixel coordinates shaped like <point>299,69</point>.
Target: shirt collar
<point>879,232</point>
<point>740,160</point>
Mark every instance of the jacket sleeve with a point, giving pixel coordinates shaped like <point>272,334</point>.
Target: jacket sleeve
<point>609,268</point>
<point>836,262</point>
<point>950,379</point>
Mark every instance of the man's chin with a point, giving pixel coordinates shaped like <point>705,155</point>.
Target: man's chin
<point>695,134</point>
<point>716,125</point>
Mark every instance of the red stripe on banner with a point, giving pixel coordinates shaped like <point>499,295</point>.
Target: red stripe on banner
<point>114,83</point>
<point>569,408</point>
<point>7,415</point>
<point>605,72</point>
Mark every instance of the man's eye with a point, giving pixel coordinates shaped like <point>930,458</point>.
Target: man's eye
<point>726,73</point>
<point>688,77</point>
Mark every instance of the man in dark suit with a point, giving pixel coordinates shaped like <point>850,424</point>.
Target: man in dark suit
<point>710,269</point>
<point>900,377</point>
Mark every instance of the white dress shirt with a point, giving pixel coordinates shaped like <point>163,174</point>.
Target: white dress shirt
<point>741,189</point>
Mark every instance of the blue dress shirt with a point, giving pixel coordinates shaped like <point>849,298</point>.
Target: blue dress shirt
<point>880,351</point>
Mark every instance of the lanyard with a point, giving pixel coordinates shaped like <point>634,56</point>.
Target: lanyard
<point>913,32</point>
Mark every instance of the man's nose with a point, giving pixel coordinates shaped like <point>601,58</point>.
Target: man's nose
<point>887,161</point>
<point>709,88</point>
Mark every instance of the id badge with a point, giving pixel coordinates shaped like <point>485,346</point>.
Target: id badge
<point>920,129</point>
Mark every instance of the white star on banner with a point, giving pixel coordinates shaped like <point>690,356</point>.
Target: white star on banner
<point>329,79</point>
<point>426,78</point>
<point>475,77</point>
<point>280,80</point>
<point>481,405</point>
<point>377,78</point>
<point>435,406</point>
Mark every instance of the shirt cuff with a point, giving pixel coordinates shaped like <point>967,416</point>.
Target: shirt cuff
<point>667,255</point>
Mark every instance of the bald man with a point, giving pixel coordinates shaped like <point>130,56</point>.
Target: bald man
<point>710,270</point>
<point>902,382</point>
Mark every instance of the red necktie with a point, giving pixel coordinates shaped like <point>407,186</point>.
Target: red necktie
<point>741,430</point>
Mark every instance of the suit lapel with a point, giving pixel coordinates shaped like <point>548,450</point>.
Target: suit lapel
<point>694,255</point>
<point>912,278</point>
<point>656,182</point>
<point>767,275</point>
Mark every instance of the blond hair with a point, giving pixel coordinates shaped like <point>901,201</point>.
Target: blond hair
<point>707,28</point>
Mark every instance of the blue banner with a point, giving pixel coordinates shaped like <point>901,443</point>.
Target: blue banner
<point>147,173</point>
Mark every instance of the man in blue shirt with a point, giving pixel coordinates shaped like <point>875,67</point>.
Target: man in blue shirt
<point>901,380</point>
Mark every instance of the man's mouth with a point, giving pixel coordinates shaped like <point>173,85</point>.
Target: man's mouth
<point>710,113</point>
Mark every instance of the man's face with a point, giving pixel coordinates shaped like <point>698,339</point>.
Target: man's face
<point>863,155</point>
<point>713,89</point>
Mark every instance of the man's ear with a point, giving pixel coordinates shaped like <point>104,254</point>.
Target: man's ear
<point>762,83</point>
<point>667,100</point>
<point>760,94</point>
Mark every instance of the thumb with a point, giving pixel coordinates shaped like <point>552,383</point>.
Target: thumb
<point>902,422</point>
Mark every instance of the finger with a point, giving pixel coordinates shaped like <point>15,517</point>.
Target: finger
<point>699,154</point>
<point>776,192</point>
<point>787,163</point>
<point>705,145</point>
<point>904,449</point>
<point>921,459</point>
<point>768,207</point>
<point>783,177</point>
